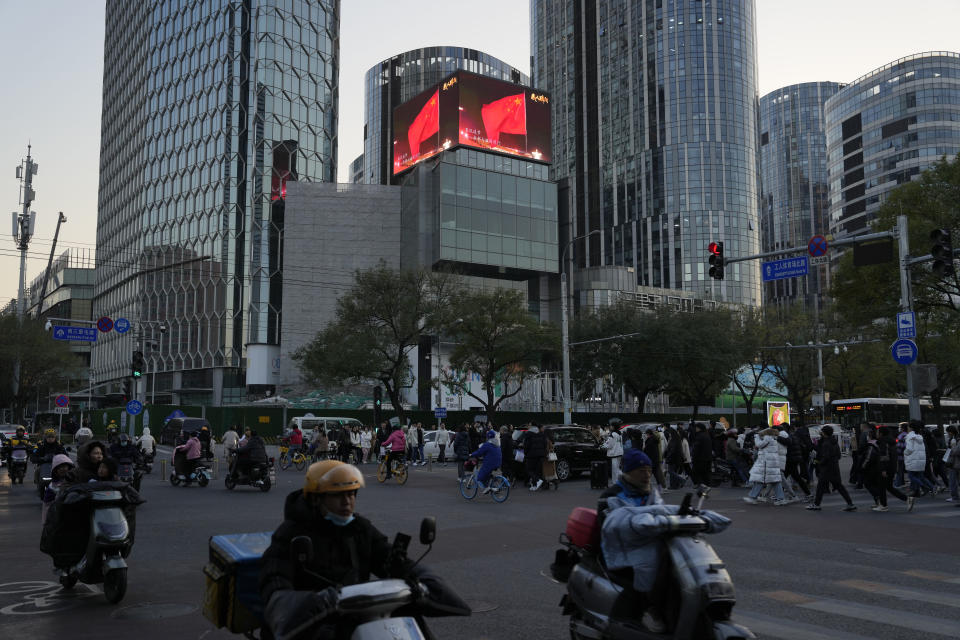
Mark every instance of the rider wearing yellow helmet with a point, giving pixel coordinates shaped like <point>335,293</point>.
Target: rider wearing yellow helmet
<point>347,548</point>
<point>48,447</point>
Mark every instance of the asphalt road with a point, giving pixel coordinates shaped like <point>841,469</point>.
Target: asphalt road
<point>799,574</point>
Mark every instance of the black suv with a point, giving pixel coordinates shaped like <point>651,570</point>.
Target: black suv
<point>576,447</point>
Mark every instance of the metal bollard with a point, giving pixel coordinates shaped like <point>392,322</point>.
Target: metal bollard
<point>163,469</point>
<point>430,462</point>
<point>216,468</point>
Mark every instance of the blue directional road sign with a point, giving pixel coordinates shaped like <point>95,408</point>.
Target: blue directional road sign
<point>122,325</point>
<point>904,351</point>
<point>440,412</point>
<point>906,324</point>
<point>134,407</point>
<point>787,268</point>
<point>82,334</point>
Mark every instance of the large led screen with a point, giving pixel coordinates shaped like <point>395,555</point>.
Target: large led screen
<point>474,111</point>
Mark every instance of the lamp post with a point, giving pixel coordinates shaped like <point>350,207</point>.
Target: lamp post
<point>565,324</point>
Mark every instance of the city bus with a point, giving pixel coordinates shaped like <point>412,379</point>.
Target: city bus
<point>890,411</point>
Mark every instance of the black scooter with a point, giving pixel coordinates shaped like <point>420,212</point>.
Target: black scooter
<point>258,475</point>
<point>603,605</point>
<point>18,464</point>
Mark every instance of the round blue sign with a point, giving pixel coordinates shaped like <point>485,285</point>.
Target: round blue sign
<point>904,351</point>
<point>122,325</point>
<point>134,407</point>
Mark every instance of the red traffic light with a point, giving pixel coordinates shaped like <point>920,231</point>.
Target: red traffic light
<point>713,248</point>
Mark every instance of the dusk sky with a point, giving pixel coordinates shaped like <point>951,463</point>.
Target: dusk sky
<point>53,52</point>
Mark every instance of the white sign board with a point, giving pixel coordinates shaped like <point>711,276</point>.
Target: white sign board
<point>817,260</point>
<point>61,410</point>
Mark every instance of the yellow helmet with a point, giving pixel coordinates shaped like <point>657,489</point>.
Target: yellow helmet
<point>332,476</point>
<point>50,432</point>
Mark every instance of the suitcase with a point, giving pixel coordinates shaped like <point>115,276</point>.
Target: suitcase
<point>232,595</point>
<point>599,474</point>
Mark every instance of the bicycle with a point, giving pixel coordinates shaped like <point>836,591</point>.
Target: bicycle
<point>498,483</point>
<point>399,468</point>
<point>298,458</point>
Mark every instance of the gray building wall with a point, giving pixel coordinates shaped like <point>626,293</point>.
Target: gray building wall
<point>331,231</point>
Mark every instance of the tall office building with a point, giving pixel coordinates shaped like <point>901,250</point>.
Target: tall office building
<point>793,175</point>
<point>655,138</point>
<point>886,127</point>
<point>209,107</point>
<point>396,80</point>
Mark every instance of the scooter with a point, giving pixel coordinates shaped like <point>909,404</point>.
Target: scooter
<point>43,475</point>
<point>201,473</point>
<point>260,475</point>
<point>110,538</point>
<point>18,464</point>
<point>130,472</point>
<point>603,605</point>
<point>146,464</point>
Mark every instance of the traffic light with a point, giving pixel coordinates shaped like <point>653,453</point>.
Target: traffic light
<point>138,364</point>
<point>942,252</point>
<point>716,260</point>
<point>377,404</point>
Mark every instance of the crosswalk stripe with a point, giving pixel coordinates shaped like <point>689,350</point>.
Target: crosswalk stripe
<point>932,575</point>
<point>784,629</point>
<point>902,593</point>
<point>882,615</point>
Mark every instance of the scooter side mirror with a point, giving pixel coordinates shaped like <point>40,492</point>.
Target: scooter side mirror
<point>428,530</point>
<point>301,550</point>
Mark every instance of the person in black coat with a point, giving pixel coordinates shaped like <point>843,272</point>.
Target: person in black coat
<point>461,448</point>
<point>534,445</point>
<point>701,455</point>
<point>828,470</point>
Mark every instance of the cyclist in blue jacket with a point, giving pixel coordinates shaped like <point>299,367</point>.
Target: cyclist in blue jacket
<point>489,452</point>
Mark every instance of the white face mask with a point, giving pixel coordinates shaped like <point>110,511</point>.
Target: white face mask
<point>338,520</point>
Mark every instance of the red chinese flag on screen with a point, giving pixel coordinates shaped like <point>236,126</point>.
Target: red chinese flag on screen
<point>506,115</point>
<point>425,124</point>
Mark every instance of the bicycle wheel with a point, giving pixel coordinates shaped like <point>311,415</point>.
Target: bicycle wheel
<point>284,461</point>
<point>300,461</point>
<point>468,486</point>
<point>400,473</point>
<point>500,489</point>
<point>382,471</point>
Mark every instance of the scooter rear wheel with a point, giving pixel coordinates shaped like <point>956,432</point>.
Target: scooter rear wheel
<point>203,480</point>
<point>229,482</point>
<point>115,585</point>
<point>266,485</point>
<point>68,581</point>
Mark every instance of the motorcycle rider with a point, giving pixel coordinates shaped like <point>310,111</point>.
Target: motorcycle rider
<point>147,443</point>
<point>204,437</point>
<point>230,439</point>
<point>396,443</point>
<point>492,459</point>
<point>19,439</point>
<point>48,447</point>
<point>89,457</point>
<point>347,549</point>
<point>83,435</point>
<point>191,450</point>
<point>125,451</point>
<point>113,432</point>
<point>250,453</point>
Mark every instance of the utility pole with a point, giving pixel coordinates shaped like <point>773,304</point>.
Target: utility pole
<point>23,225</point>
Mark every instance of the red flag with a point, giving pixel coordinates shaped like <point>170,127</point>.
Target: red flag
<point>506,115</point>
<point>425,124</point>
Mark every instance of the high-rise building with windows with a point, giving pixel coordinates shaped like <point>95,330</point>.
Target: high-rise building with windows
<point>885,128</point>
<point>655,139</point>
<point>209,107</point>
<point>795,201</point>
<point>396,80</point>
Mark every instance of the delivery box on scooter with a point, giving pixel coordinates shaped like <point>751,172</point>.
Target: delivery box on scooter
<point>583,528</point>
<point>232,596</point>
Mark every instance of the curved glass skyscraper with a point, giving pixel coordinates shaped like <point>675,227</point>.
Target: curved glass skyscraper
<point>209,107</point>
<point>886,127</point>
<point>794,189</point>
<point>655,135</point>
<point>400,78</point>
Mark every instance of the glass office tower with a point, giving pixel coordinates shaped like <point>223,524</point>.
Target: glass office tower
<point>392,82</point>
<point>209,107</point>
<point>655,136</point>
<point>794,188</point>
<point>886,127</point>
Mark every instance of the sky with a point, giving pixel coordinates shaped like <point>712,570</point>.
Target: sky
<point>53,53</point>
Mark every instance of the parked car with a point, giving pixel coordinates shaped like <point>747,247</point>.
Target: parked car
<point>173,428</point>
<point>576,447</point>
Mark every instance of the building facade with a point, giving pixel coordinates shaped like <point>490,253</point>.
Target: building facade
<point>655,141</point>
<point>884,129</point>
<point>392,82</point>
<point>209,108</point>
<point>795,202</point>
<point>356,170</point>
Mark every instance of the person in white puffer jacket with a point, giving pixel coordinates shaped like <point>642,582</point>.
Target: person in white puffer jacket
<point>766,468</point>
<point>915,461</point>
<point>443,439</point>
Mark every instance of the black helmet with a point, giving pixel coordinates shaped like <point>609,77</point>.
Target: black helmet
<point>124,438</point>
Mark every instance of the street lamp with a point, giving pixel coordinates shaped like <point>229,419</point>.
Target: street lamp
<point>565,323</point>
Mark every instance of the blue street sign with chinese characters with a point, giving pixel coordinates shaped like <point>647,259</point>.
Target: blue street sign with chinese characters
<point>906,324</point>
<point>787,268</point>
<point>134,407</point>
<point>122,325</point>
<point>82,334</point>
<point>440,412</point>
<point>904,351</point>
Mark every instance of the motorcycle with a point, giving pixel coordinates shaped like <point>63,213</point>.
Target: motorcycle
<point>146,464</point>
<point>101,507</point>
<point>201,474</point>
<point>43,474</point>
<point>18,464</point>
<point>698,593</point>
<point>129,471</point>
<point>259,475</point>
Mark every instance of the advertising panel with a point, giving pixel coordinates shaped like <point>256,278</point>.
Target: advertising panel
<point>475,111</point>
<point>777,413</point>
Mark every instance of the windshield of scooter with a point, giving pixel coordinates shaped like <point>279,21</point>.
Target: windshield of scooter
<point>374,598</point>
<point>19,454</point>
<point>109,524</point>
